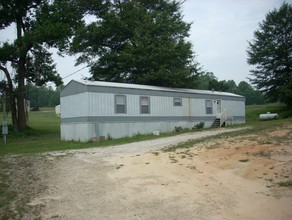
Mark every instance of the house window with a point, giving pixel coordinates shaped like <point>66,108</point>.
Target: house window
<point>120,104</point>
<point>177,102</point>
<point>144,105</point>
<point>209,107</point>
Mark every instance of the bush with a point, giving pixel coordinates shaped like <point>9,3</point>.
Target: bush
<point>199,125</point>
<point>178,129</point>
<point>109,137</point>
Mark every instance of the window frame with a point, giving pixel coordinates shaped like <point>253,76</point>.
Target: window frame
<point>141,106</point>
<point>209,109</point>
<point>177,104</point>
<point>116,104</point>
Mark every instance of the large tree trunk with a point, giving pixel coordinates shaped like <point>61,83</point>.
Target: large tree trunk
<point>21,96</point>
<point>11,96</point>
<point>21,75</point>
<point>13,111</point>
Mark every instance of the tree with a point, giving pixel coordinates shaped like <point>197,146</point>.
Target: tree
<point>252,96</point>
<point>204,80</point>
<point>40,70</point>
<point>48,97</point>
<point>271,53</point>
<point>208,81</point>
<point>40,25</point>
<point>140,42</point>
<point>231,85</point>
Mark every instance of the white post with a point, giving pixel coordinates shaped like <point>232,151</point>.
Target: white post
<point>4,122</point>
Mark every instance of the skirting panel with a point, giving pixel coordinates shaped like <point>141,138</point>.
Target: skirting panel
<point>87,131</point>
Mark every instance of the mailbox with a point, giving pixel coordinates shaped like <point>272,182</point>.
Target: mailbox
<point>4,128</point>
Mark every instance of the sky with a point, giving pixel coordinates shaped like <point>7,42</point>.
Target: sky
<point>219,33</point>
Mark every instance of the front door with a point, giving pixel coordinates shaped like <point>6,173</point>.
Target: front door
<point>218,106</point>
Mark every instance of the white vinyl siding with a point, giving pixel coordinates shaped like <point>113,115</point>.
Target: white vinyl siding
<point>120,104</point>
<point>209,107</point>
<point>144,105</point>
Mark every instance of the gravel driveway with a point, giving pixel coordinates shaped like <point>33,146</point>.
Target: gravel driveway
<point>80,184</point>
<point>147,146</point>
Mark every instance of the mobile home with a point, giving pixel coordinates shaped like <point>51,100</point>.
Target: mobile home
<point>91,110</point>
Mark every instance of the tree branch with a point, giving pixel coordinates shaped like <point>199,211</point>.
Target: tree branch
<point>6,72</point>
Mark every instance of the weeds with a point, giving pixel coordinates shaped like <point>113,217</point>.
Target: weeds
<point>286,183</point>
<point>155,153</point>
<point>120,166</point>
<point>109,137</point>
<point>172,159</point>
<point>213,146</point>
<point>19,183</point>
<point>199,126</point>
<point>267,154</point>
<point>265,142</point>
<point>179,129</point>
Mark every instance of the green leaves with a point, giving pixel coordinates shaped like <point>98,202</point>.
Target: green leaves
<point>41,69</point>
<point>271,54</point>
<point>138,42</point>
<point>39,25</point>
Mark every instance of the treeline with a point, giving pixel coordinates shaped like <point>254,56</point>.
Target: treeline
<point>137,41</point>
<point>49,97</point>
<point>44,96</point>
<point>209,81</point>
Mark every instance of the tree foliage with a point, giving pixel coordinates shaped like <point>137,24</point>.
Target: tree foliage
<point>140,42</point>
<point>41,68</point>
<point>208,81</point>
<point>48,97</point>
<point>271,53</point>
<point>40,25</point>
<point>251,95</point>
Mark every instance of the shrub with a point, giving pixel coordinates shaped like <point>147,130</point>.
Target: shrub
<point>109,137</point>
<point>199,125</point>
<point>178,129</point>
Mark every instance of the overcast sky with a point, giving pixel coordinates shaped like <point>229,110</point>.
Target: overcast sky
<point>219,34</point>
<point>220,31</point>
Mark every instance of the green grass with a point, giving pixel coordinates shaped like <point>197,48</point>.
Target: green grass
<point>244,160</point>
<point>253,111</point>
<point>252,121</point>
<point>43,133</point>
<point>286,184</point>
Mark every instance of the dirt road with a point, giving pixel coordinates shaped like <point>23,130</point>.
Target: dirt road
<point>230,178</point>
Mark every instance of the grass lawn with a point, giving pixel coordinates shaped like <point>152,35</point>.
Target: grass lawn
<point>253,111</point>
<point>44,132</point>
<point>43,135</point>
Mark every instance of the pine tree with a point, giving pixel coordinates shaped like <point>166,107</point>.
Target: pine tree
<point>271,54</point>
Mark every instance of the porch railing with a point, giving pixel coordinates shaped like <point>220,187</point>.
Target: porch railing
<point>224,116</point>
